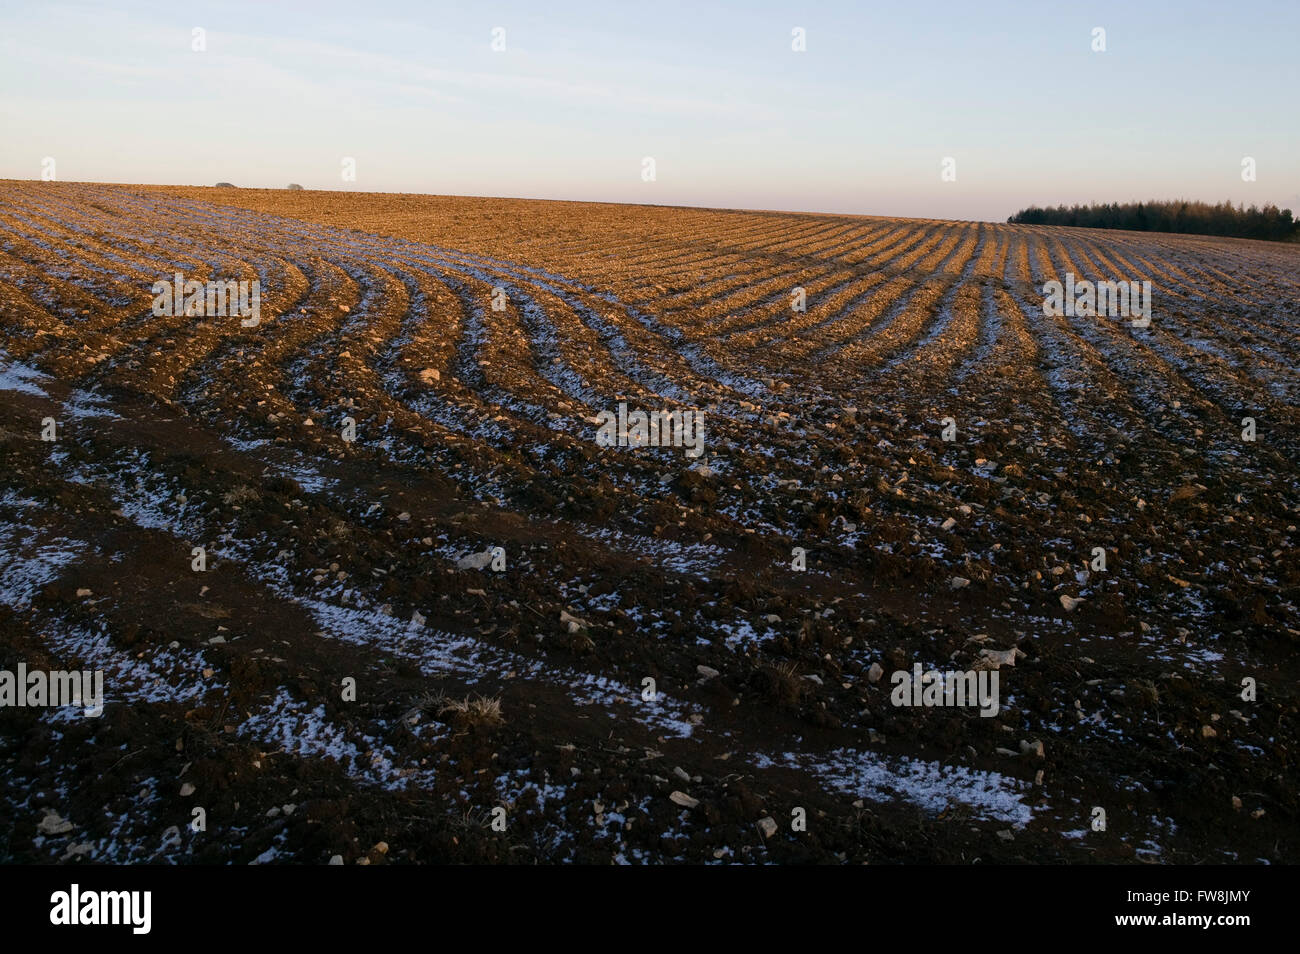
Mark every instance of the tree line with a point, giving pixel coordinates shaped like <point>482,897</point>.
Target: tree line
<point>1200,218</point>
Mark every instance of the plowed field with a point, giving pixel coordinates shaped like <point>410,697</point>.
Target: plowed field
<point>423,384</point>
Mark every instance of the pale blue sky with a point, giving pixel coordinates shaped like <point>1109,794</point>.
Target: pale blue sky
<point>860,122</point>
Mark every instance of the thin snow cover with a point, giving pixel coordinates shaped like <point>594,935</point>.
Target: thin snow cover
<point>285,463</point>
<point>244,446</point>
<point>929,785</point>
<point>513,786</point>
<point>555,830</point>
<point>440,652</point>
<point>741,633</point>
<point>150,507</point>
<point>306,476</point>
<point>663,714</point>
<point>161,675</point>
<point>30,558</point>
<point>696,559</point>
<point>132,835</point>
<point>16,376</point>
<point>433,651</point>
<point>1199,655</point>
<point>307,733</point>
<point>272,853</point>
<point>87,403</point>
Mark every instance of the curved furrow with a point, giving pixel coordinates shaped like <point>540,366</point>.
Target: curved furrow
<point>1155,375</point>
<point>891,322</point>
<point>1205,336</point>
<point>931,246</point>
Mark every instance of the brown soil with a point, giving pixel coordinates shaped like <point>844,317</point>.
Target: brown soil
<point>332,560</point>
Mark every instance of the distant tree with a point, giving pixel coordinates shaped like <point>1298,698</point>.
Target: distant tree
<point>226,185</point>
<point>1179,215</point>
<point>294,185</point>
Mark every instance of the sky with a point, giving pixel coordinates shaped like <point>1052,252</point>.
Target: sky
<point>860,121</point>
